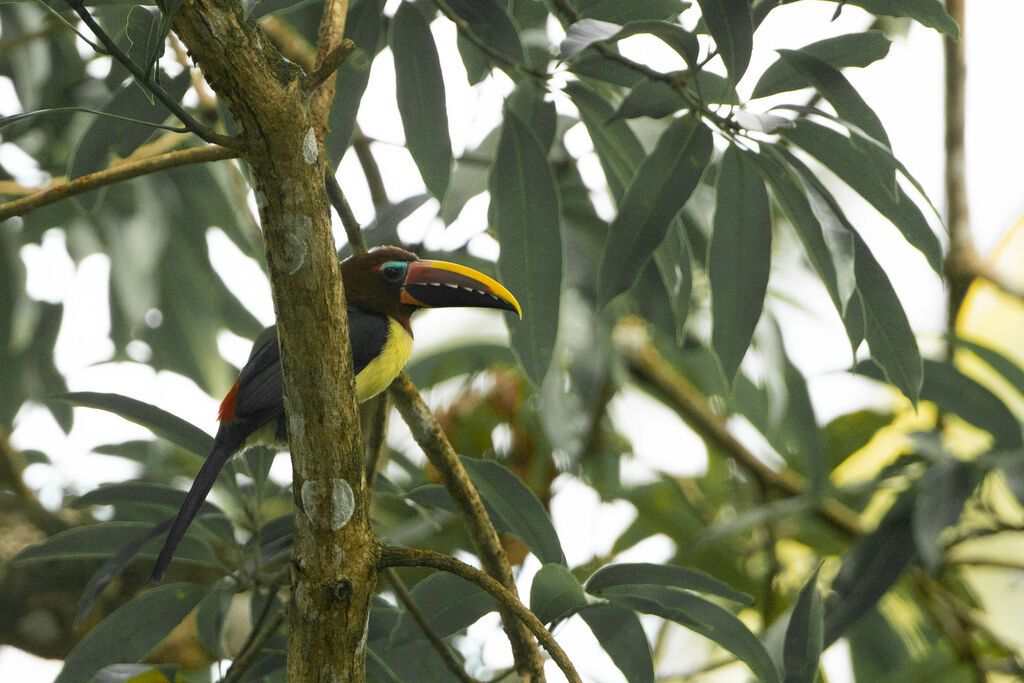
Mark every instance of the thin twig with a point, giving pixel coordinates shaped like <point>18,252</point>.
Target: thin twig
<point>124,171</point>
<point>207,134</point>
<point>375,429</point>
<point>348,219</point>
<point>371,171</point>
<point>431,438</point>
<point>414,610</point>
<point>248,655</point>
<point>332,62</point>
<point>391,556</point>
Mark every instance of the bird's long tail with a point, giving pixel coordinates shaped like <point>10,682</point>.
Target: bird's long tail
<point>222,451</point>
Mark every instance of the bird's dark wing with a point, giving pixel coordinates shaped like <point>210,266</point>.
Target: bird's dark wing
<point>260,388</point>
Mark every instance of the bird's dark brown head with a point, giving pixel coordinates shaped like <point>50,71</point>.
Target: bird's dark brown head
<point>396,282</point>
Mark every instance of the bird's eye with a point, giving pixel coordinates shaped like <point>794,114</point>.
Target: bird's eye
<point>393,272</point>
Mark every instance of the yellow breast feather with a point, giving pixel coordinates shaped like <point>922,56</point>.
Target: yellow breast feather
<point>379,373</point>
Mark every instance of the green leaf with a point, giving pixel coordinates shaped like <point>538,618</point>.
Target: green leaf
<point>362,26</point>
<point>211,617</point>
<point>1006,367</point>
<point>634,574</point>
<point>705,618</point>
<point>870,567</point>
<point>448,603</point>
<point>847,160</point>
<point>942,492</point>
<point>524,213</point>
<point>730,24</point>
<point>954,392</point>
<point>791,197</point>
<point>660,188</point>
<point>104,540</point>
<point>847,434</point>
<point>739,258</point>
<point>805,634</point>
<point>555,594</point>
<point>160,422</point>
<point>672,259</point>
<point>617,148</point>
<point>440,364</point>
<point>887,328</point>
<point>516,507</point>
<point>622,12</point>
<point>421,97</point>
<point>620,633</point>
<point>656,99</point>
<point>489,21</point>
<point>585,32</point>
<point>833,86</point>
<point>930,13</point>
<point>132,631</point>
<point>850,49</point>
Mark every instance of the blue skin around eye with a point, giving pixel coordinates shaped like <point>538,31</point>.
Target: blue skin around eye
<point>402,266</point>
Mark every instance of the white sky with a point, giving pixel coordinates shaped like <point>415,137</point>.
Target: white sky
<point>905,90</point>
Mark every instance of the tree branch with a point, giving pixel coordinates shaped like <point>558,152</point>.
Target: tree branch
<point>414,610</point>
<point>332,32</point>
<point>648,366</point>
<point>144,80</point>
<point>251,650</point>
<point>507,600</point>
<point>348,220</point>
<point>430,437</point>
<point>116,174</point>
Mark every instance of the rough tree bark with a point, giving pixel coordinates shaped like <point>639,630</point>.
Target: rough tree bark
<point>334,554</point>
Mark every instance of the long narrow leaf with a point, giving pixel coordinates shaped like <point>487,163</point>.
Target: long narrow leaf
<point>739,258</point>
<point>622,636</point>
<point>661,186</point>
<point>732,28</point>
<point>524,212</point>
<point>419,84</point>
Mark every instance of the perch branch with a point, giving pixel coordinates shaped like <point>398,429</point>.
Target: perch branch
<point>507,600</point>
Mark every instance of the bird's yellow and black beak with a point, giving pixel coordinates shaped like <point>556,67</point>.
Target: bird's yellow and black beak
<point>437,284</point>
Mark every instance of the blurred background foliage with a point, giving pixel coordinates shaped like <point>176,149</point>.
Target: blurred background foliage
<point>660,276</point>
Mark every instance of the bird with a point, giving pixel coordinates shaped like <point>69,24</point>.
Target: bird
<point>383,288</point>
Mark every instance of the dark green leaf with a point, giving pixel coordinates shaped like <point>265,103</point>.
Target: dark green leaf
<point>421,98</point>
<point>132,631</point>
<point>957,393</point>
<point>439,364</point>
<point>146,31</point>
<point>489,21</point>
<point>524,214</point>
<point>805,634</point>
<point>1006,367</point>
<point>705,618</point>
<point>850,49</point>
<point>847,434</point>
<point>731,26</point>
<point>555,594</point>
<point>656,99</point>
<point>517,507</point>
<point>930,13</point>
<point>448,603</point>
<point>622,12</point>
<point>847,160</point>
<point>870,567</point>
<point>528,105</point>
<point>107,539</point>
<point>622,636</point>
<point>627,575</point>
<point>942,492</point>
<point>160,422</point>
<point>362,26</point>
<point>672,259</point>
<point>711,88</point>
<point>792,198</point>
<point>617,148</point>
<point>211,617</point>
<point>739,258</point>
<point>584,33</point>
<point>660,188</point>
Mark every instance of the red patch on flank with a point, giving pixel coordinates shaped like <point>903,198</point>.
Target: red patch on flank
<point>227,406</point>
